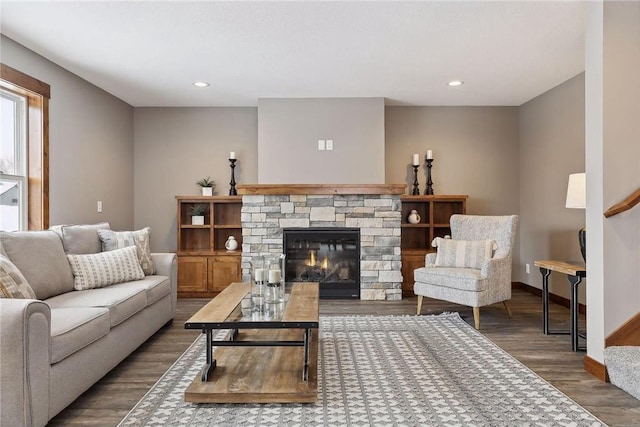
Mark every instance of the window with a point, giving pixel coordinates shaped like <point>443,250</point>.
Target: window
<point>24,148</point>
<point>13,161</point>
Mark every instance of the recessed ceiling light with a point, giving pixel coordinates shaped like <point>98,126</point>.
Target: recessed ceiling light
<point>201,84</point>
<point>455,83</point>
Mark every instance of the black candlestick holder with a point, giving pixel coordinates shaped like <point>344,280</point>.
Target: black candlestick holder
<point>232,189</point>
<point>416,189</point>
<point>429,189</point>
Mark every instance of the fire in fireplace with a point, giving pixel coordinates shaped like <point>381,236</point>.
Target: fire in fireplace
<point>330,256</point>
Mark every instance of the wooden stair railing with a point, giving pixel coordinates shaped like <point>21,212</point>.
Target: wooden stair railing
<point>626,334</point>
<point>624,205</point>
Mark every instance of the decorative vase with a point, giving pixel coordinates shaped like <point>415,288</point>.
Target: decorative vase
<point>207,191</point>
<point>231,244</point>
<point>414,217</point>
<point>197,220</point>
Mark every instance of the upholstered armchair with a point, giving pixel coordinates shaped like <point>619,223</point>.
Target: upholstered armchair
<point>472,268</point>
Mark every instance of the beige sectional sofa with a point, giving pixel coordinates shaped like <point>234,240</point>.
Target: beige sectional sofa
<point>55,347</point>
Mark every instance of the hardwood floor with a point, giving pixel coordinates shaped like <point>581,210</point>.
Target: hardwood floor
<point>550,356</point>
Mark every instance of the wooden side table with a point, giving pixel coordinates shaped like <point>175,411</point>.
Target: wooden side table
<point>574,273</point>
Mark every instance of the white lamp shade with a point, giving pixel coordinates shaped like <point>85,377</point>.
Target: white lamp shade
<point>577,191</point>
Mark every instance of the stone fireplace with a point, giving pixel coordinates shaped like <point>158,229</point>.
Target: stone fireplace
<point>375,210</point>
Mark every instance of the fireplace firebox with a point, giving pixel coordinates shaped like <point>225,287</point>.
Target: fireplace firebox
<point>330,256</point>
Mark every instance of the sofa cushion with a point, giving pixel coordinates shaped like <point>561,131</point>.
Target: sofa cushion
<point>75,328</point>
<point>468,279</point>
<point>105,268</point>
<point>155,287</point>
<point>82,239</point>
<point>12,282</point>
<point>40,257</point>
<point>463,253</point>
<point>122,302</point>
<point>121,239</point>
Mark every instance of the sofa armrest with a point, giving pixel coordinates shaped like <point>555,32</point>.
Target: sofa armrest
<point>166,264</point>
<point>25,361</point>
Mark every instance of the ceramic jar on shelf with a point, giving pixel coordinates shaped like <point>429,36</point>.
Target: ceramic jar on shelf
<point>414,217</point>
<point>231,244</point>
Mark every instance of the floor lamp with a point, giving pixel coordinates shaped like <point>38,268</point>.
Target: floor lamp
<point>577,199</point>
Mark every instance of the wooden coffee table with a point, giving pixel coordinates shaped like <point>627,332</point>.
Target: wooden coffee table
<point>264,359</point>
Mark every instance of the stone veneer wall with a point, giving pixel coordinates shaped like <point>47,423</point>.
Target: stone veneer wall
<point>377,216</point>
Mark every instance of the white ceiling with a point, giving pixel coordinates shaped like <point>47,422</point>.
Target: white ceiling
<point>148,53</point>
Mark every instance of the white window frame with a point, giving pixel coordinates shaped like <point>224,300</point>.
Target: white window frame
<point>20,158</point>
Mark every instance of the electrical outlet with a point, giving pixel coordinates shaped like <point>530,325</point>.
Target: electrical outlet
<point>321,144</point>
<point>527,268</point>
<point>329,144</point>
<point>99,206</point>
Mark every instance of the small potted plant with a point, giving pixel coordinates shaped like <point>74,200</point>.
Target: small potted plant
<point>207,185</point>
<point>197,214</point>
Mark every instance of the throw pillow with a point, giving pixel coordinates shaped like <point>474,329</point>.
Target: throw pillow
<point>105,268</point>
<point>463,253</point>
<point>12,282</point>
<point>121,239</point>
<point>80,239</point>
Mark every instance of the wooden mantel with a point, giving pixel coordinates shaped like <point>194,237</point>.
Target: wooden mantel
<point>300,189</point>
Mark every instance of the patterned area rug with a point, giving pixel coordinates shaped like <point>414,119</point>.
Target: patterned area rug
<point>384,371</point>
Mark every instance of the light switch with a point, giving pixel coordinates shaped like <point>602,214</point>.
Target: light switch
<point>99,206</point>
<point>329,144</point>
<point>321,144</point>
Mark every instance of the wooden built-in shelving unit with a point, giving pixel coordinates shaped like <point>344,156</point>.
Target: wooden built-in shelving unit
<point>205,267</point>
<point>435,212</point>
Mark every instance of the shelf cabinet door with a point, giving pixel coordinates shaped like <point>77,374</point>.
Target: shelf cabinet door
<point>192,274</point>
<point>409,263</point>
<point>223,270</point>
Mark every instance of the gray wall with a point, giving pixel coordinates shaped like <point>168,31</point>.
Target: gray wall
<point>90,144</point>
<point>175,147</point>
<point>551,128</point>
<point>475,152</point>
<point>289,130</point>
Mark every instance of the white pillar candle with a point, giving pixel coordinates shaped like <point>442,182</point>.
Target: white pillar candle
<point>274,276</point>
<point>429,155</point>
<point>259,274</point>
<point>416,160</point>
<point>232,155</point>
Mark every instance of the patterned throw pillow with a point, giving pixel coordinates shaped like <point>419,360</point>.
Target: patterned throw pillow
<point>105,268</point>
<point>121,239</point>
<point>463,253</point>
<point>12,282</point>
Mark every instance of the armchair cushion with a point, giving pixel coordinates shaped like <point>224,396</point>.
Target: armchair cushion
<point>463,253</point>
<point>466,279</point>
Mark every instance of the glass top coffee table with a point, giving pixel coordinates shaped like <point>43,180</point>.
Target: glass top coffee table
<point>265,357</point>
